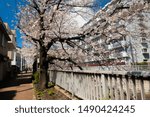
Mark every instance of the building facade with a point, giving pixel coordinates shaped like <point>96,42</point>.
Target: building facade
<point>126,48</point>
<point>7,45</point>
<point>19,60</point>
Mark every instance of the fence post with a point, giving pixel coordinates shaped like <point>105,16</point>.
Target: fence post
<point>82,85</point>
<point>111,88</point>
<point>64,80</point>
<point>105,85</point>
<point>121,88</point>
<point>85,86</point>
<point>88,88</point>
<point>94,87</point>
<point>142,88</point>
<point>50,75</point>
<point>116,88</point>
<point>97,97</point>
<point>134,88</point>
<point>127,87</point>
<point>100,86</point>
<point>149,85</point>
<point>54,76</point>
<point>91,90</point>
<point>72,84</point>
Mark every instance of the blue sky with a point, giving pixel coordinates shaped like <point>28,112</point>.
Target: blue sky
<point>101,3</point>
<point>8,9</point>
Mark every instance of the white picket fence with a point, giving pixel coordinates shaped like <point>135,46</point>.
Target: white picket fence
<point>103,85</point>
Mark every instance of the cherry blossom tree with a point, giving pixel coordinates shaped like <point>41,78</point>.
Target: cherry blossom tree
<point>52,28</point>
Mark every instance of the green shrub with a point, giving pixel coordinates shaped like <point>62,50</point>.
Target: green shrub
<point>40,93</point>
<point>50,92</point>
<point>36,77</point>
<point>50,84</point>
<point>142,63</point>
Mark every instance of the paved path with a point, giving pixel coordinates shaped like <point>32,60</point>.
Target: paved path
<point>17,89</point>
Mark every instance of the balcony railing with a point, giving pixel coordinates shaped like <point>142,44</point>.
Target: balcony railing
<point>10,55</point>
<point>122,54</point>
<point>112,56</point>
<point>143,41</point>
<point>117,45</point>
<point>12,34</point>
<point>144,51</point>
<point>12,43</point>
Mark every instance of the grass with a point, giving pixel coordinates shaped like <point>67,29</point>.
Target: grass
<point>36,77</point>
<point>50,84</point>
<point>39,94</point>
<point>50,92</point>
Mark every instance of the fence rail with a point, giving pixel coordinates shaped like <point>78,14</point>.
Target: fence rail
<point>119,68</point>
<point>103,85</point>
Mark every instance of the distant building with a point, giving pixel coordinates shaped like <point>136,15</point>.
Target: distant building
<point>19,60</point>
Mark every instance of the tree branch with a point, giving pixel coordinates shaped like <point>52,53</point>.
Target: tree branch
<point>64,48</point>
<point>34,39</point>
<point>118,8</point>
<point>50,59</point>
<point>35,6</point>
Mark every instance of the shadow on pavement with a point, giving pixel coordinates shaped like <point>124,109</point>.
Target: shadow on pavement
<point>7,95</point>
<point>16,82</point>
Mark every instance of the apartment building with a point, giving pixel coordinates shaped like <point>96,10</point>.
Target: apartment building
<point>7,44</point>
<point>127,49</point>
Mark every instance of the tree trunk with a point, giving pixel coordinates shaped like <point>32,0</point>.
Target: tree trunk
<point>43,69</point>
<point>43,77</point>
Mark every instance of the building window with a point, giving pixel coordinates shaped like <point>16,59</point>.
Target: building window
<point>1,38</point>
<point>143,34</point>
<point>144,50</point>
<point>146,56</point>
<point>144,60</point>
<point>144,40</point>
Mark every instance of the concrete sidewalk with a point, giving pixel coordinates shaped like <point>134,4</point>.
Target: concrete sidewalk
<point>20,88</point>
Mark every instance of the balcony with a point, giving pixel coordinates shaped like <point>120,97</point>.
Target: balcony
<point>144,41</point>
<point>10,54</point>
<point>122,54</point>
<point>144,51</point>
<point>12,35</point>
<point>110,47</point>
<point>112,56</point>
<point>12,43</point>
<point>117,45</point>
<point>124,43</point>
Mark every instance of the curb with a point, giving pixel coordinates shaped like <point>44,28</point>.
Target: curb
<point>66,93</point>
